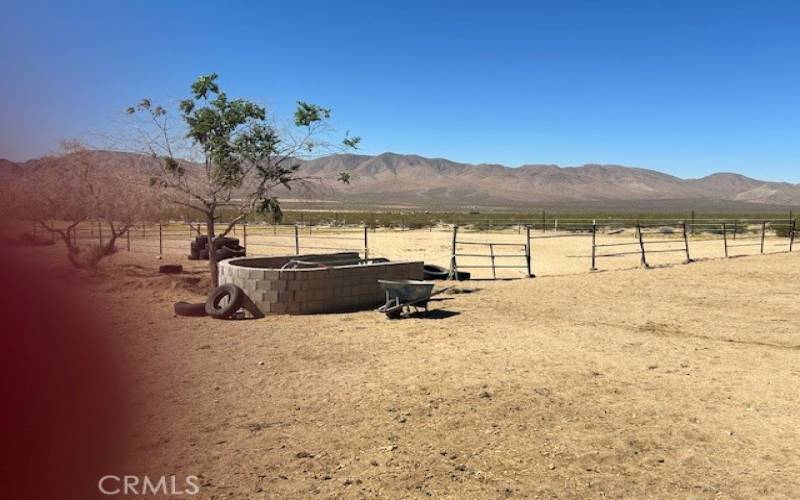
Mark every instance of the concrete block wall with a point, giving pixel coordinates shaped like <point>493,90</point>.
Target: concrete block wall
<point>305,291</point>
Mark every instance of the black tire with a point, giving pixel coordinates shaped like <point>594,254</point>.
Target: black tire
<point>170,269</point>
<point>434,272</point>
<point>229,253</point>
<point>187,309</point>
<point>463,275</point>
<point>194,251</point>
<point>235,297</point>
<point>227,243</point>
<point>201,242</point>
<point>395,312</point>
<point>203,254</point>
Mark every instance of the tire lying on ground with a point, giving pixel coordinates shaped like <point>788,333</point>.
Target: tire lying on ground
<point>170,269</point>
<point>214,305</point>
<point>463,275</point>
<point>434,272</point>
<point>187,309</point>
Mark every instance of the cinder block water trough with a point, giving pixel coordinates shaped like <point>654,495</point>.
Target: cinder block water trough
<point>346,283</point>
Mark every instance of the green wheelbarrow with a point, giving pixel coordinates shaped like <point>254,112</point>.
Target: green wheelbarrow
<point>402,295</point>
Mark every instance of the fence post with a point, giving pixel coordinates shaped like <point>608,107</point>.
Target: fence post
<point>366,244</point>
<point>100,232</point>
<point>725,237</point>
<point>453,265</point>
<point>692,223</point>
<point>160,239</point>
<point>594,243</point>
<point>491,254</point>
<point>791,234</point>
<point>296,241</point>
<point>244,235</point>
<point>641,245</point>
<point>763,230</point>
<point>128,237</point>
<point>528,250</point>
<point>735,227</point>
<point>686,241</point>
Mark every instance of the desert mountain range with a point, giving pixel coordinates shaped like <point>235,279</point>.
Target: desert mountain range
<point>411,180</point>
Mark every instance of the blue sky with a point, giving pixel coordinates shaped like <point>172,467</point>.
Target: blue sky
<point>688,88</point>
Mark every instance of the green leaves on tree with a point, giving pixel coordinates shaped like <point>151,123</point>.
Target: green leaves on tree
<point>308,114</point>
<point>345,177</point>
<point>271,207</point>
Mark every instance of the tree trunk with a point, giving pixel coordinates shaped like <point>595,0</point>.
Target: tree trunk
<point>212,254</point>
<point>73,252</point>
<point>88,258</point>
<point>70,243</point>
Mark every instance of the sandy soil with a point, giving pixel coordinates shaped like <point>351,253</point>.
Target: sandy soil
<point>678,382</point>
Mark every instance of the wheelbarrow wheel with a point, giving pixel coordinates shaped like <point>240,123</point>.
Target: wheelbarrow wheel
<point>394,312</point>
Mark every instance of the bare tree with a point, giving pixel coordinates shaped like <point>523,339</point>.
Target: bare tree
<point>243,156</point>
<point>76,187</point>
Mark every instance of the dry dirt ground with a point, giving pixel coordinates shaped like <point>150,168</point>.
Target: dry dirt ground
<point>677,382</point>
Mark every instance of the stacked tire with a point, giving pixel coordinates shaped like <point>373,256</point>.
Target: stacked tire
<point>230,252</point>
<point>227,248</point>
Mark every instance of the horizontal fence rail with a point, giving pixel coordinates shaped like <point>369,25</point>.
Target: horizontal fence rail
<point>605,239</point>
<point>492,256</point>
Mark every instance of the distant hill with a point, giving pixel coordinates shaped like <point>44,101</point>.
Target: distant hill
<point>8,168</point>
<point>412,179</point>
<point>393,179</point>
